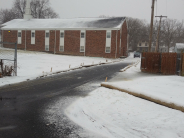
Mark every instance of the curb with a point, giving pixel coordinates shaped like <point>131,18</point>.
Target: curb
<point>77,68</point>
<point>129,66</point>
<point>170,105</point>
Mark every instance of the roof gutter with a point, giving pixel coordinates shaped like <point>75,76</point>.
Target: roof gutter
<point>60,28</point>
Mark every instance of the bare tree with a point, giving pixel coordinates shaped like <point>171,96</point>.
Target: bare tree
<point>6,15</point>
<point>137,31</point>
<point>169,32</point>
<point>19,8</point>
<point>42,9</point>
<point>39,9</point>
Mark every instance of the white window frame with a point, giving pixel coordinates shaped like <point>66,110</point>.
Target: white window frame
<point>47,40</point>
<point>46,47</point>
<point>33,38</point>
<point>60,48</point>
<point>19,38</point>
<point>62,40</point>
<point>82,40</point>
<point>108,41</point>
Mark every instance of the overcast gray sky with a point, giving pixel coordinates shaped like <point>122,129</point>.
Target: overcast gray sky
<point>93,8</point>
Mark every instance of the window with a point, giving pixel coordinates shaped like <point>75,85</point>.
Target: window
<point>33,37</point>
<point>145,44</point>
<point>81,48</point>
<point>46,47</point>
<point>47,34</point>
<point>33,34</point>
<point>19,34</point>
<point>108,34</point>
<point>82,35</point>
<point>108,49</point>
<point>62,35</point>
<point>61,48</point>
<point>139,44</point>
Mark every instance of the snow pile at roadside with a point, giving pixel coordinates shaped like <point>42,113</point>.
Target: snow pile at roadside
<point>169,89</point>
<point>35,64</point>
<point>115,114</point>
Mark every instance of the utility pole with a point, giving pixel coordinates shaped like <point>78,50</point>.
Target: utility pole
<point>151,25</point>
<point>157,43</point>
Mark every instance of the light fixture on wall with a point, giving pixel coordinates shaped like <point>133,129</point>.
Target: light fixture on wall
<point>9,31</point>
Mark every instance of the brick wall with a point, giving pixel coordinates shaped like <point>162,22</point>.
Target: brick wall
<point>95,42</point>
<point>9,37</point>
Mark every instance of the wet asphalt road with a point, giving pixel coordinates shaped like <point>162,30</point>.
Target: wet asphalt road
<point>30,109</point>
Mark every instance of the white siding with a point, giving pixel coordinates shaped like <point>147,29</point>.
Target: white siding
<point>82,40</point>
<point>47,32</point>
<point>62,40</point>
<point>33,37</point>
<point>108,41</point>
<point>19,36</point>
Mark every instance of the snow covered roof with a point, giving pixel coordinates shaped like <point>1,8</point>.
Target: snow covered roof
<point>76,23</point>
<point>180,45</point>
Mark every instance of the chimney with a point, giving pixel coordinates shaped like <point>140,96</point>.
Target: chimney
<point>27,14</point>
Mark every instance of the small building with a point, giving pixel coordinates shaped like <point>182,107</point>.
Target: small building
<point>143,46</point>
<point>179,47</point>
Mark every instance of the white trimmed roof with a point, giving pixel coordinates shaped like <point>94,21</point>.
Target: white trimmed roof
<point>180,45</point>
<point>75,23</point>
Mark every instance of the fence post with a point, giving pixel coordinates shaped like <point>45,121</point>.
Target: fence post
<point>15,59</point>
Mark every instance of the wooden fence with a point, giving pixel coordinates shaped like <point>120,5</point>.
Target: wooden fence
<point>164,63</point>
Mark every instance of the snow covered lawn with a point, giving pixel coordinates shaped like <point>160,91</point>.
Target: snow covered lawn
<point>167,89</point>
<point>114,114</point>
<point>35,64</point>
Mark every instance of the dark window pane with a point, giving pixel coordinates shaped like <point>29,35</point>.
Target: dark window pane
<point>19,34</point>
<point>33,34</point>
<point>62,35</point>
<point>47,34</point>
<point>108,34</point>
<point>82,35</point>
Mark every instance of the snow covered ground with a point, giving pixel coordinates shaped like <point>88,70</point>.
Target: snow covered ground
<point>35,64</point>
<point>114,114</point>
<point>168,89</point>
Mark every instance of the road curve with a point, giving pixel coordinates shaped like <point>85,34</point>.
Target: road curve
<point>28,109</point>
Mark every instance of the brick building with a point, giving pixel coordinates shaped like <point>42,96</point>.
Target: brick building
<point>98,37</point>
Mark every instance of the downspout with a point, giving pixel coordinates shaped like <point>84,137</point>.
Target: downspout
<point>127,38</point>
<point>85,44</point>
<point>55,43</point>
<point>2,38</point>
<point>127,44</point>
<point>116,43</point>
<point>25,39</point>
